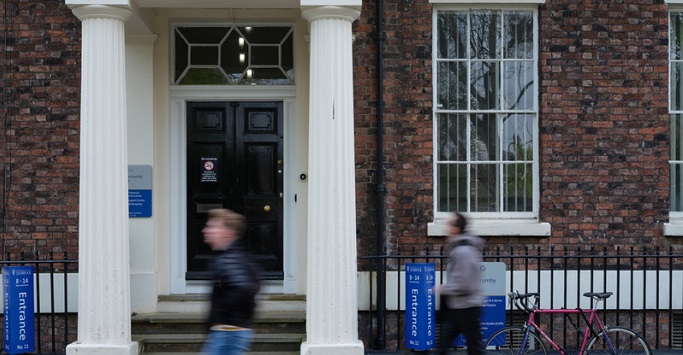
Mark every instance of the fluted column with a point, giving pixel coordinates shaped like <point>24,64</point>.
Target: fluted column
<point>331,297</point>
<point>104,276</point>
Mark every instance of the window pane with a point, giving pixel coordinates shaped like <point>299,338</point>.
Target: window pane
<point>517,185</point>
<point>266,76</point>
<point>264,35</point>
<point>518,35</point>
<point>181,55</point>
<point>675,35</point>
<point>203,55</point>
<point>452,180</point>
<point>676,81</point>
<point>676,133</point>
<point>485,35</point>
<point>288,56</point>
<point>452,87</point>
<point>518,82</point>
<point>485,90</point>
<point>676,203</point>
<point>452,35</point>
<point>484,190</point>
<point>485,140</point>
<point>265,55</point>
<point>518,143</point>
<point>452,137</point>
<point>204,76</point>
<point>234,56</point>
<point>204,35</point>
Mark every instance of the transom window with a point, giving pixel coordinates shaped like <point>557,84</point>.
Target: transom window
<point>233,55</point>
<point>676,109</point>
<point>486,111</point>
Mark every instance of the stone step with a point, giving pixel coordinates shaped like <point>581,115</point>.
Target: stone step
<point>180,325</point>
<point>189,343</point>
<point>195,323</point>
<point>251,353</point>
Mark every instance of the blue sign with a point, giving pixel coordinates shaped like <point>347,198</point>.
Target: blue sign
<point>17,282</point>
<point>139,191</point>
<point>420,306</point>
<point>492,282</point>
<point>139,203</point>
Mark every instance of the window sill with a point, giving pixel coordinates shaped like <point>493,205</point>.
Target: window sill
<point>675,226</point>
<point>498,227</point>
<point>673,230</point>
<point>500,1</point>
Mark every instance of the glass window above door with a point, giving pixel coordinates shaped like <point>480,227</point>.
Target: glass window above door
<point>233,55</point>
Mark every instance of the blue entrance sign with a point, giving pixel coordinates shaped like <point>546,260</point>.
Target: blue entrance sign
<point>493,313</point>
<point>420,306</point>
<point>17,282</point>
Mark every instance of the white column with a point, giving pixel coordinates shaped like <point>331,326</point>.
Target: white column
<point>104,276</point>
<point>331,296</point>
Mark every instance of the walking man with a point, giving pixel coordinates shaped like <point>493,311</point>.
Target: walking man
<point>461,296</point>
<point>235,285</point>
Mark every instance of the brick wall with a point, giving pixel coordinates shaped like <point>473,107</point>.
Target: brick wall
<point>407,121</point>
<point>603,123</point>
<point>40,124</point>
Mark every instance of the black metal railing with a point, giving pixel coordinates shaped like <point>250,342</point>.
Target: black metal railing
<point>55,322</point>
<point>647,286</point>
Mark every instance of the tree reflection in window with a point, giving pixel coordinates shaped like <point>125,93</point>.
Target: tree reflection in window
<point>676,110</point>
<point>233,55</point>
<point>485,110</point>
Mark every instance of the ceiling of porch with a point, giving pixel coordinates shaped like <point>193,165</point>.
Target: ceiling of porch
<point>220,4</point>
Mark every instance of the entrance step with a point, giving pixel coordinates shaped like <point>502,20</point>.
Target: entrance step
<point>280,327</point>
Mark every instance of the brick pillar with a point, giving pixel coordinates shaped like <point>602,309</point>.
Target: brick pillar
<point>104,266</point>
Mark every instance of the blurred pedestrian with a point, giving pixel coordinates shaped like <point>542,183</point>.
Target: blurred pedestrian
<point>235,285</point>
<point>461,296</point>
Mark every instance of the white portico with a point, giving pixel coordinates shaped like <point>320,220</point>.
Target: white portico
<point>127,117</point>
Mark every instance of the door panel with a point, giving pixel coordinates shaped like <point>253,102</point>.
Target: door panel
<point>234,160</point>
<point>261,145</point>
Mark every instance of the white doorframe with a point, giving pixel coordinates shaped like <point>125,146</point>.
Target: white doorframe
<point>178,181</point>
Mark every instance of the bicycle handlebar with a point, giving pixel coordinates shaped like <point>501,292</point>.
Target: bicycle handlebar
<point>521,300</point>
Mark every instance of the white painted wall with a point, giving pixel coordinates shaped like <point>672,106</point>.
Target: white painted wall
<point>140,113</point>
<point>639,286</point>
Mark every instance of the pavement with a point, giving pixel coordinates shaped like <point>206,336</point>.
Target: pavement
<point>463,352</point>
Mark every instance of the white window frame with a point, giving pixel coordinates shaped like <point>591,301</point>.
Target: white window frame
<point>491,223</point>
<point>675,225</point>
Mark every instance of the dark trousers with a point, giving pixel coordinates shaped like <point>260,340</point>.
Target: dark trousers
<point>461,321</point>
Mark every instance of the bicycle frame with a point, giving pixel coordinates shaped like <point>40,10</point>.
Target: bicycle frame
<point>592,318</point>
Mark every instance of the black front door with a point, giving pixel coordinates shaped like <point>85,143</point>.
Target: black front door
<point>234,161</point>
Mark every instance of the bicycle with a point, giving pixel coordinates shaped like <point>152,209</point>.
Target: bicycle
<point>597,338</point>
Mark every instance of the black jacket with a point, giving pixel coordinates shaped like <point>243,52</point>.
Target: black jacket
<point>236,283</point>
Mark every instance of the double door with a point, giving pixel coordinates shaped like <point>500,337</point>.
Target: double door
<point>235,161</point>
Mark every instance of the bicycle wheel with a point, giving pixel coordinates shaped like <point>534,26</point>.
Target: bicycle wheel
<point>624,340</point>
<point>510,340</point>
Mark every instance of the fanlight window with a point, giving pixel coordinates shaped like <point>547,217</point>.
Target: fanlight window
<point>233,55</point>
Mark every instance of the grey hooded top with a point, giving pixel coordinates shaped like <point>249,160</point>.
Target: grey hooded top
<point>463,286</point>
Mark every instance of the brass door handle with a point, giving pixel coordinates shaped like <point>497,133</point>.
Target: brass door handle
<point>266,208</point>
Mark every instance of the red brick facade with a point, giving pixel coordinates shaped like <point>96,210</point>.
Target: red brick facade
<point>604,146</point>
<point>604,121</point>
<point>40,125</point>
<point>604,149</point>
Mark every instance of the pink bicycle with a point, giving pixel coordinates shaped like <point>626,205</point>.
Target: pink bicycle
<point>597,338</point>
